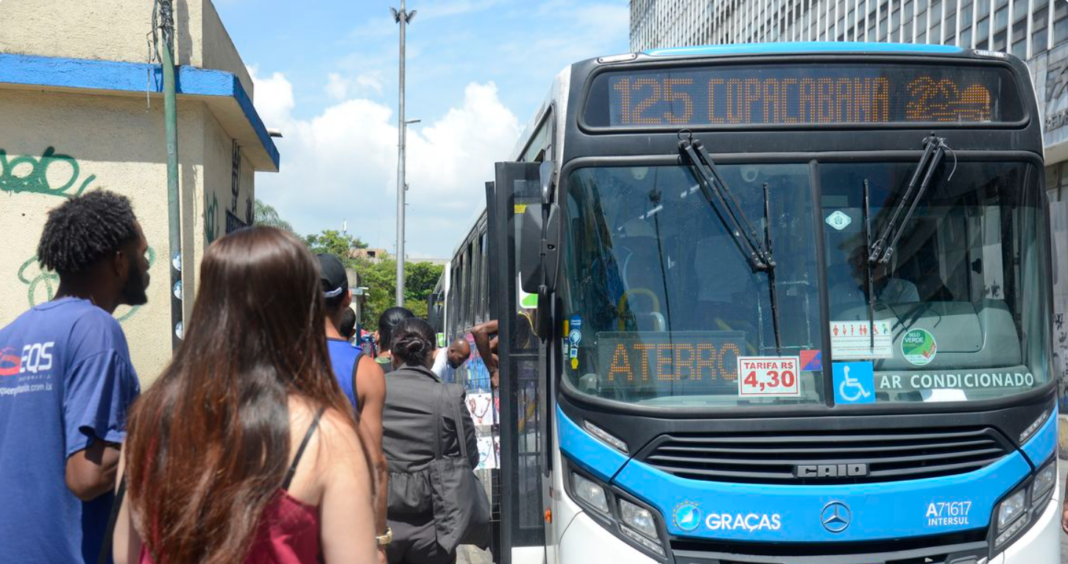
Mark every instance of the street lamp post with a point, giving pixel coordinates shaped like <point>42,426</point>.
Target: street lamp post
<point>403,18</point>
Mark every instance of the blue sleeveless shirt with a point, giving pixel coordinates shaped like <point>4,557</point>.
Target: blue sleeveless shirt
<point>344,357</point>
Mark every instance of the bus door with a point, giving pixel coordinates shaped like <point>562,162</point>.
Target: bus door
<point>523,421</point>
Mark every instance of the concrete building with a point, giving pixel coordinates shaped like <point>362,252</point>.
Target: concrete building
<point>1034,30</point>
<point>82,110</point>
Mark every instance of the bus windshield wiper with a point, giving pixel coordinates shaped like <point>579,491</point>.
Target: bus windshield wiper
<point>934,148</point>
<point>728,210</point>
<point>771,273</point>
<point>868,278</point>
<point>734,219</point>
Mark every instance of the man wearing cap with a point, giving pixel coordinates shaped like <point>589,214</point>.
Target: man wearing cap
<point>359,377</point>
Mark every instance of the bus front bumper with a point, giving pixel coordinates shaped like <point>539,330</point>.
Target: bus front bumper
<point>586,541</point>
<point>1040,544</point>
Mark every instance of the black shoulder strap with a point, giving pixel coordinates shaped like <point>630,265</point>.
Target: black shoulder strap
<point>116,505</point>
<point>355,371</point>
<point>300,451</point>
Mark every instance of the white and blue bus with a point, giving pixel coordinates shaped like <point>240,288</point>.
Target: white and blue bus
<point>772,304</point>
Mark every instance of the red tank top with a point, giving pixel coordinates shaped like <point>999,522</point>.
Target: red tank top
<point>289,528</point>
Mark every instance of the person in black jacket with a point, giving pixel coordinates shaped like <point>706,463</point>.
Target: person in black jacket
<point>417,403</point>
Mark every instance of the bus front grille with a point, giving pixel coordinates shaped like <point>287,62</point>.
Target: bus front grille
<point>817,457</point>
<point>957,548</point>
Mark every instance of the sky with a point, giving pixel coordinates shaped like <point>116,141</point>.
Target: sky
<point>325,74</point>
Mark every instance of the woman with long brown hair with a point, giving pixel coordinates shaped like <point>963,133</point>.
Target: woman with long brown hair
<point>245,449</point>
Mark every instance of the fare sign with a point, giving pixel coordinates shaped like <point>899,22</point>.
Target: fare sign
<point>769,376</point>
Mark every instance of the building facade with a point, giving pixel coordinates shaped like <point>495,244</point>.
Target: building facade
<point>1034,30</point>
<point>1023,27</point>
<point>82,111</point>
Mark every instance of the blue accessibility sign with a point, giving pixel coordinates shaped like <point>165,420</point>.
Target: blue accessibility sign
<point>854,382</point>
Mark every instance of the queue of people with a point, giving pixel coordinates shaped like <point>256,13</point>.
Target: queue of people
<point>268,438</point>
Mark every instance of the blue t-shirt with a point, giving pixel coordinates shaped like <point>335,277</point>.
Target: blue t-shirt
<point>65,380</point>
<point>344,356</point>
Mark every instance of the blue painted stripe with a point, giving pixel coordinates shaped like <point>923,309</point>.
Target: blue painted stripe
<point>879,511</point>
<point>808,47</point>
<point>132,77</point>
<point>1041,446</point>
<point>592,454</point>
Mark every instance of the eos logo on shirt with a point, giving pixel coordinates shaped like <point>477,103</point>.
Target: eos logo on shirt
<point>36,358</point>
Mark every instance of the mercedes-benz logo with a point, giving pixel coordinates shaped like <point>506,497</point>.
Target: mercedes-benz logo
<point>836,517</point>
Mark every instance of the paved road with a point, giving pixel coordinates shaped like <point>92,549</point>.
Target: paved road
<point>472,555</point>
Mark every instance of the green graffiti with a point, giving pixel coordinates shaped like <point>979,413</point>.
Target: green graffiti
<point>29,174</point>
<point>211,213</point>
<point>43,284</point>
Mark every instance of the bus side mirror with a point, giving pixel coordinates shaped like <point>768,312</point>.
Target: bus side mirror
<point>530,230</point>
<point>539,254</point>
<point>545,175</point>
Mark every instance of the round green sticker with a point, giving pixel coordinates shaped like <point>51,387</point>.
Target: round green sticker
<point>918,347</point>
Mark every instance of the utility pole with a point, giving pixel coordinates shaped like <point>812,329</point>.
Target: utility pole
<point>403,18</point>
<point>170,119</point>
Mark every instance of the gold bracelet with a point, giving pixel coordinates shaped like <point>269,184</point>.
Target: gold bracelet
<point>386,538</point>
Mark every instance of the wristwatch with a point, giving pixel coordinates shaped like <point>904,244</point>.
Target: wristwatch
<point>386,538</point>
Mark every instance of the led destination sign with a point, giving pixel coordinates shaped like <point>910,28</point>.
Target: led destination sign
<point>802,95</point>
<point>679,358</point>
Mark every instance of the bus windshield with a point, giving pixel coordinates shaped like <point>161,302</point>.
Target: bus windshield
<point>664,308</point>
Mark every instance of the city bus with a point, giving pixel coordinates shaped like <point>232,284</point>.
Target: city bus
<point>772,303</point>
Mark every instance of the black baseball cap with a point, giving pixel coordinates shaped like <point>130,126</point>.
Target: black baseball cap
<point>332,274</point>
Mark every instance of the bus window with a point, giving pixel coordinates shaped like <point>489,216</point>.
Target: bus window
<point>469,267</point>
<point>476,273</point>
<point>953,291</point>
<point>483,305</point>
<point>455,293</point>
<point>665,302</point>
<point>538,148</point>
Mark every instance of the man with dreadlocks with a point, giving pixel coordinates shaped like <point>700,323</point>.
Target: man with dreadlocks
<point>66,382</point>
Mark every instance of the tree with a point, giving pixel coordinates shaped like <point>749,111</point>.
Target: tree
<point>419,281</point>
<point>334,242</point>
<point>266,215</point>
<point>381,279</point>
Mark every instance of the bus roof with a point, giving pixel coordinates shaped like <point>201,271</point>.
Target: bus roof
<point>803,47</point>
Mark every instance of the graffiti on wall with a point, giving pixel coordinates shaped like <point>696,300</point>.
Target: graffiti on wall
<point>43,284</point>
<point>212,229</point>
<point>235,175</point>
<point>51,174</point>
<point>211,216</point>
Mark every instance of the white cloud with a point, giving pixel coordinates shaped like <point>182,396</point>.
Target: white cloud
<point>365,84</point>
<point>337,87</point>
<point>341,164</point>
<point>274,98</point>
<point>370,82</point>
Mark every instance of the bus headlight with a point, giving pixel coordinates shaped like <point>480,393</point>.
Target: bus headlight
<point>589,492</point>
<point>637,518</point>
<point>624,516</point>
<point>1011,509</point>
<point>1044,482</point>
<point>1012,516</point>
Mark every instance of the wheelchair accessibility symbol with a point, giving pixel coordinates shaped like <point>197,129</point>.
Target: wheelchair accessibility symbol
<point>854,382</point>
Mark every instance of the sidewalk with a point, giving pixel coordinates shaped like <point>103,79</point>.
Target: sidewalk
<point>472,555</point>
